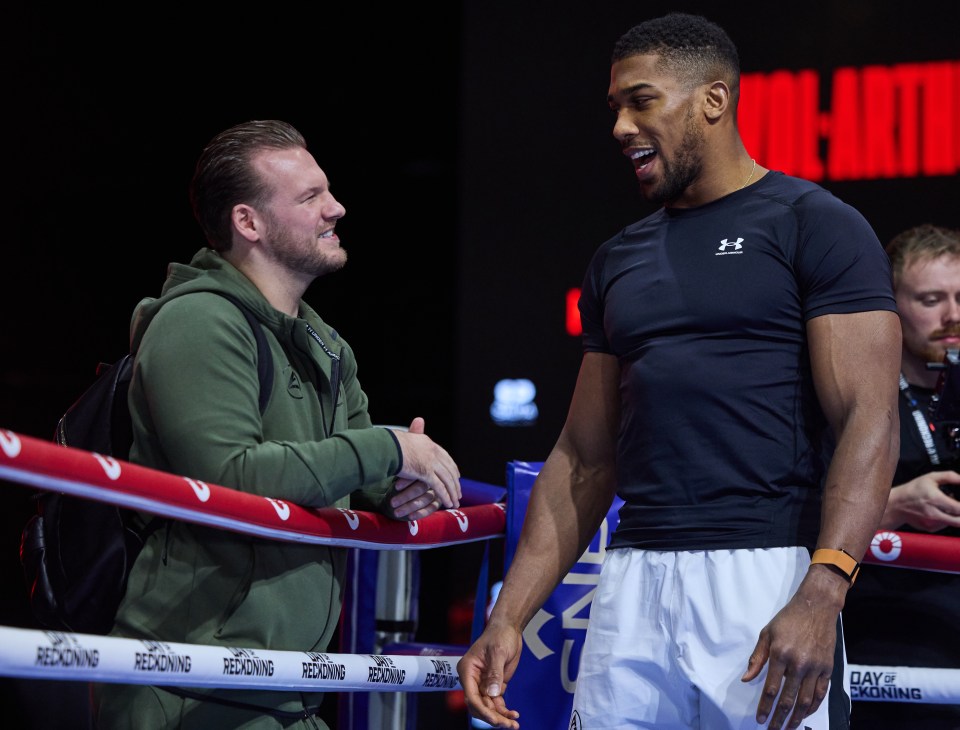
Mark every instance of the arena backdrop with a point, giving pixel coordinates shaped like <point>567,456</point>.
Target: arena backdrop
<point>470,144</point>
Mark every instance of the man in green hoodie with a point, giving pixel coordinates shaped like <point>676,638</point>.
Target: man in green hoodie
<point>269,217</point>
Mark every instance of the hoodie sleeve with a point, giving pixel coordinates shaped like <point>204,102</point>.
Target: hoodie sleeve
<point>194,402</point>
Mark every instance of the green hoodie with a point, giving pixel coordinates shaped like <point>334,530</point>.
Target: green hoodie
<point>194,406</point>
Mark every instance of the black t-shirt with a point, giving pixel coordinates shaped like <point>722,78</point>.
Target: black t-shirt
<point>721,439</point>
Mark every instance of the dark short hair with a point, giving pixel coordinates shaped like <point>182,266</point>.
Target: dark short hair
<point>224,175</point>
<point>925,241</point>
<point>695,48</point>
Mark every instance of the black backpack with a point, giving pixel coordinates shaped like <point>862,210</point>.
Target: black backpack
<point>76,553</point>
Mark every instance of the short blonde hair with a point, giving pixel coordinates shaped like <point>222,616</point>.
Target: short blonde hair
<point>925,241</point>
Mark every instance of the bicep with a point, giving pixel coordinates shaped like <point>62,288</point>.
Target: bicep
<point>575,487</point>
<point>589,434</point>
<point>855,361</point>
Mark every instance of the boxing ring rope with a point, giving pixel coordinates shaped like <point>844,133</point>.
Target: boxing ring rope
<point>37,654</point>
<point>87,657</point>
<point>52,467</point>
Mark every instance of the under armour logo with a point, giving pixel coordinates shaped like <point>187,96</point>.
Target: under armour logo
<point>736,244</point>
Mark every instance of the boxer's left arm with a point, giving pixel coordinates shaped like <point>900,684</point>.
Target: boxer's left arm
<point>855,360</point>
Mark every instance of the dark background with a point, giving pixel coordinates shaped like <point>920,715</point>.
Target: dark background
<point>470,144</point>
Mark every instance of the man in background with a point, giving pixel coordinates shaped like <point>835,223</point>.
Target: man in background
<point>897,616</point>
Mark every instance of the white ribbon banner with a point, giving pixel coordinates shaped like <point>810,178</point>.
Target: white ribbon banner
<point>88,657</point>
<point>91,658</point>
<point>922,685</point>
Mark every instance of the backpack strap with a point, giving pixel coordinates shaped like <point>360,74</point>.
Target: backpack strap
<point>264,373</point>
<point>264,358</point>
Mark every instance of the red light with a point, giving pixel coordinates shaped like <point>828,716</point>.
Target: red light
<point>845,156</point>
<point>879,123</point>
<point>940,118</point>
<point>908,81</point>
<point>574,327</point>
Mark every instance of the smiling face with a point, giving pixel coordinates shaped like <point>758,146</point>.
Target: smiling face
<point>301,215</point>
<point>928,299</point>
<point>659,127</point>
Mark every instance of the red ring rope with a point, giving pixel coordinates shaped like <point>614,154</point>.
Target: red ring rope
<point>82,473</point>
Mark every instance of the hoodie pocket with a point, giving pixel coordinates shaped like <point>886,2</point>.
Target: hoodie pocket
<point>241,591</point>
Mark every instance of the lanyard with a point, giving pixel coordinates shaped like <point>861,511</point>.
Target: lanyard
<point>924,427</point>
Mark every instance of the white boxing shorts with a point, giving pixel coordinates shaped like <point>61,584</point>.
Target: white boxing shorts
<point>670,634</point>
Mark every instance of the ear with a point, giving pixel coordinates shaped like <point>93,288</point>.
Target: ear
<point>246,222</point>
<point>717,101</point>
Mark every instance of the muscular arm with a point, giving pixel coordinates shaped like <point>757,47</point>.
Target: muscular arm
<point>568,502</point>
<point>855,360</point>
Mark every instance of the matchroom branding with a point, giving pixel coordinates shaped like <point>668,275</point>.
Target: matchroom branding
<point>65,650</point>
<point>321,666</point>
<point>869,685</point>
<point>161,658</point>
